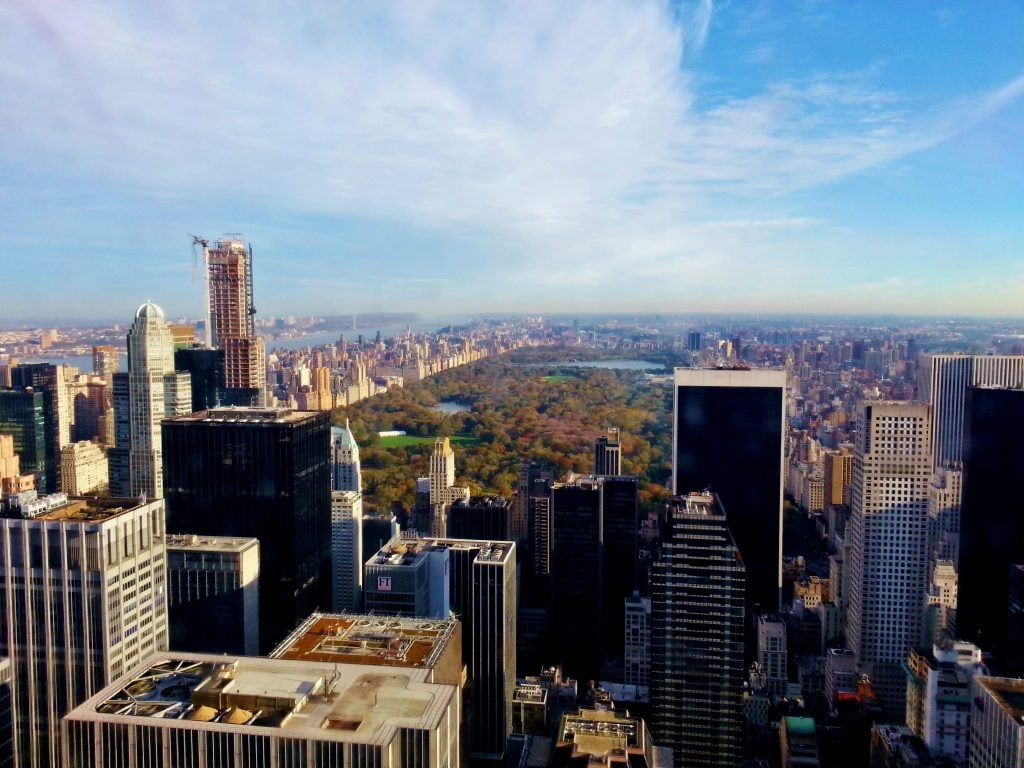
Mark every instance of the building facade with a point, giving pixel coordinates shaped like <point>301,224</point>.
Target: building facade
<point>83,590</point>
<point>83,469</point>
<point>346,474</point>
<point>346,551</point>
<point>729,428</point>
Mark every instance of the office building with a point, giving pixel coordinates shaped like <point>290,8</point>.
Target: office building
<point>636,673</point>
<point>728,436</point>
<point>345,471</point>
<point>148,393</point>
<point>82,585</point>
<point>697,622</point>
<point>608,453</point>
<point>25,416</point>
<point>534,480</point>
<point>231,320</point>
<point>997,723</point>
<point>346,550</point>
<point>604,737</point>
<point>481,517</point>
<point>407,577</point>
<point>52,381</point>
<point>262,473</point>
<point>945,498</point>
<point>593,568</point>
<point>943,380</point>
<point>434,645</point>
<point>991,526</point>
<point>939,697</point>
<point>378,530</point>
<point>11,478</point>
<point>838,475</point>
<point>771,653</point>
<point>888,535</point>
<point>91,397</point>
<point>213,593</point>
<point>205,710</point>
<point>83,469</point>
<point>106,361</point>
<point>206,371</point>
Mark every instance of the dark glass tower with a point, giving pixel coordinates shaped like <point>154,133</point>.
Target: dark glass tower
<point>729,436</point>
<point>206,366</point>
<point>481,517</point>
<point>24,414</point>
<point>991,524</point>
<point>261,473</point>
<point>697,668</point>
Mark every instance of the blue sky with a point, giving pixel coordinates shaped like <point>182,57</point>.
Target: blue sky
<point>531,156</point>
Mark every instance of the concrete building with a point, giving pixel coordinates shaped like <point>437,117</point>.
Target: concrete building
<point>943,380</point>
<point>194,710</point>
<point>346,550</point>
<point>838,475</point>
<point>939,697</point>
<point>443,491</point>
<point>83,469</point>
<point>143,397</point>
<point>997,723</point>
<point>697,622</point>
<point>608,453</point>
<point>407,577</point>
<point>888,533</point>
<point>11,479</point>
<point>106,361</point>
<point>214,591</point>
<point>346,474</point>
<point>729,430</point>
<point>771,653</point>
<point>83,590</point>
<point>798,743</point>
<point>262,473</point>
<point>636,667</point>
<point>231,320</point>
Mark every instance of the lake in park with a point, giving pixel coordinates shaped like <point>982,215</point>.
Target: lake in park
<point>451,407</point>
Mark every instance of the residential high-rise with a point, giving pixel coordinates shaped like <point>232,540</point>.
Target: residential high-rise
<point>942,383</point>
<point>346,551</point>
<point>82,585</point>
<point>697,626</point>
<point>106,361</point>
<point>213,588</point>
<point>52,381</point>
<point>231,321</point>
<point>888,535</point>
<point>534,480</point>
<point>261,473</point>
<point>346,474</point>
<point>148,393</point>
<point>729,437</point>
<point>83,469</point>
<point>443,491</point>
<point>608,453</point>
<point>210,710</point>
<point>771,653</point>
<point>991,526</point>
<point>838,475</point>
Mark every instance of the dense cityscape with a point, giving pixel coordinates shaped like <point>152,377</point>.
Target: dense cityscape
<point>790,545</point>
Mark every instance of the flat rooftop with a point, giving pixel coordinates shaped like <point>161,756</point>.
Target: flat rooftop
<point>696,503</point>
<point>241,414</point>
<point>325,702</point>
<point>595,731</point>
<point>386,641</point>
<point>408,551</point>
<point>494,551</point>
<point>57,508</point>
<point>1008,693</point>
<point>192,541</point>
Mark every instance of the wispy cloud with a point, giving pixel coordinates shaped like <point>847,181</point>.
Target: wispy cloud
<point>566,133</point>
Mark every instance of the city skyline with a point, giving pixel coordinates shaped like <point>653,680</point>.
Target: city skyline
<point>422,155</point>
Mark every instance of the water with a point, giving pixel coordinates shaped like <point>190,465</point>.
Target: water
<point>451,407</point>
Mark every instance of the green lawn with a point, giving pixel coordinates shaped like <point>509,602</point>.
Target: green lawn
<point>556,378</point>
<point>404,441</point>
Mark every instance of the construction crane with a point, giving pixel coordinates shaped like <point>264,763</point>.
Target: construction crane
<point>196,241</point>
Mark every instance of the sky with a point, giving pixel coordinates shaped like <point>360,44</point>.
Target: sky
<point>529,156</point>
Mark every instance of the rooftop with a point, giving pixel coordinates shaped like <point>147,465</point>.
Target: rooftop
<point>1008,693</point>
<point>209,543</point>
<point>389,641</point>
<point>702,503</point>
<point>409,551</point>
<point>58,507</point>
<point>328,702</point>
<point>595,731</point>
<point>237,413</point>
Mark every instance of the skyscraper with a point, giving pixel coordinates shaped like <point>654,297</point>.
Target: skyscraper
<point>443,491</point>
<point>991,524</point>
<point>106,361</point>
<point>262,473</point>
<point>346,551</point>
<point>149,392</point>
<point>888,534</point>
<point>697,625</point>
<point>729,437</point>
<point>346,474</point>
<point>231,322</point>
<point>24,416</point>
<point>942,383</point>
<point>608,454</point>
<point>481,517</point>
<point>82,590</point>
